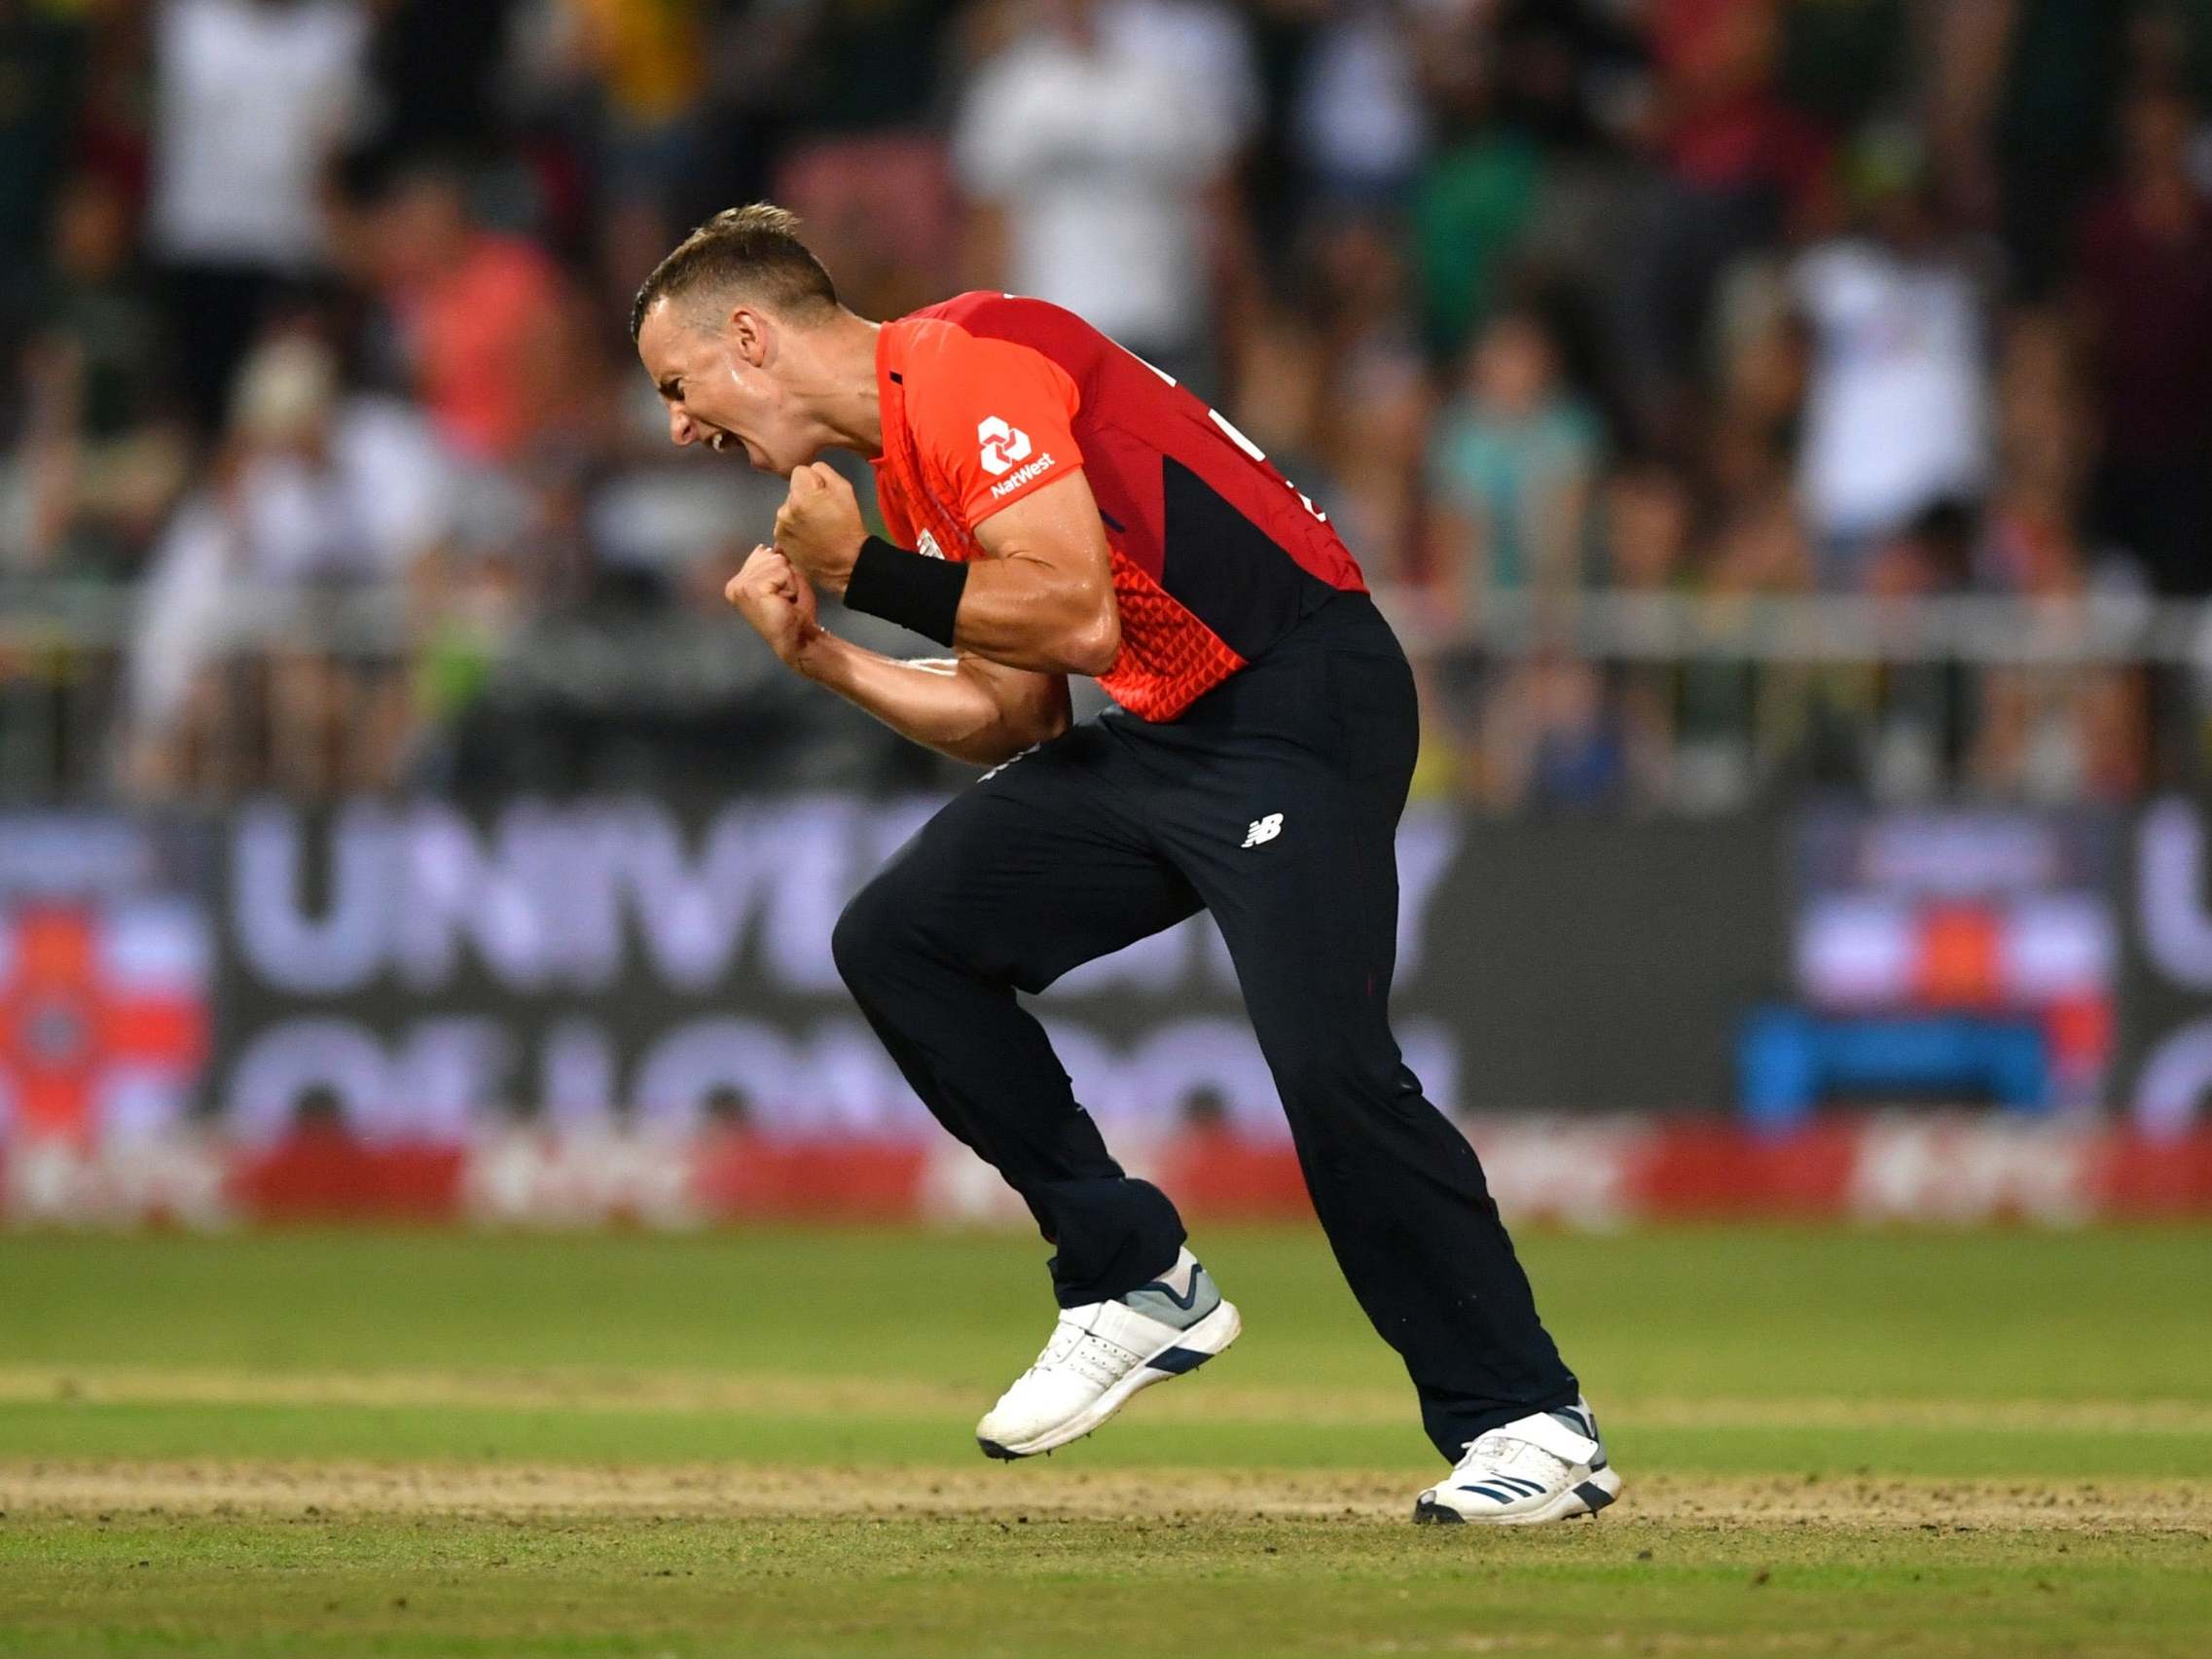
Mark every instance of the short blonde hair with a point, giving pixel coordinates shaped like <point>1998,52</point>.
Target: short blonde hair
<point>755,249</point>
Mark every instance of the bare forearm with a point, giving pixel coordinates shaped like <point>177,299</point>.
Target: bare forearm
<point>1040,601</point>
<point>1044,597</point>
<point>976,712</point>
<point>1032,616</point>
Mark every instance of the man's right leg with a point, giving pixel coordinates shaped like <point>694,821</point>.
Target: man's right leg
<point>1028,873</point>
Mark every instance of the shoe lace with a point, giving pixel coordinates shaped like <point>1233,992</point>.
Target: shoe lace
<point>1067,1336</point>
<point>1074,1347</point>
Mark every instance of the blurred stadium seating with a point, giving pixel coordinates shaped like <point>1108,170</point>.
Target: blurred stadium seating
<point>1781,428</point>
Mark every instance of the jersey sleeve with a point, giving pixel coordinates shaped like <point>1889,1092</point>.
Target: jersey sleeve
<point>993,419</point>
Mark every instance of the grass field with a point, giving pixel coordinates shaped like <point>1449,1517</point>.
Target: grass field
<point>314,1445</point>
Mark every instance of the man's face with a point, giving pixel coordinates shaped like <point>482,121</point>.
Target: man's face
<point>721,386</point>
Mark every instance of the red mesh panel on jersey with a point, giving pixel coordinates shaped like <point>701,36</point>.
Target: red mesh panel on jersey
<point>1168,658</point>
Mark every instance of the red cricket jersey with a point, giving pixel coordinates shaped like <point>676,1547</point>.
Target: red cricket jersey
<point>1215,554</point>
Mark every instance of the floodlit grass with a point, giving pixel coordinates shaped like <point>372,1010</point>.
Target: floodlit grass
<point>401,1444</point>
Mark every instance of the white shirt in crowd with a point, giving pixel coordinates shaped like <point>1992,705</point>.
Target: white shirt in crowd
<point>1357,117</point>
<point>249,100</point>
<point>1897,414</point>
<point>383,494</point>
<point>1100,151</point>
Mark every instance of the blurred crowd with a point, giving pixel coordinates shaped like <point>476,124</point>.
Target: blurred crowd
<point>311,315</point>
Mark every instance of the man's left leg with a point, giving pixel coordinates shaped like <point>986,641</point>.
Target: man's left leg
<point>1395,1185</point>
<point>1292,846</point>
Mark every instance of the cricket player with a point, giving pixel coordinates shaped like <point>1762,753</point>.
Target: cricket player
<point>1056,507</point>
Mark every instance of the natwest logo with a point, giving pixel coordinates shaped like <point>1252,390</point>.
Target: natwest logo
<point>1004,447</point>
<point>1006,486</point>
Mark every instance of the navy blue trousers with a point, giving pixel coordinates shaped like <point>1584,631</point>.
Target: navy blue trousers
<point>1272,802</point>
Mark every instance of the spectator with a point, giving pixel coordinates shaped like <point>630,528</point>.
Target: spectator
<point>1931,558</point>
<point>483,319</point>
<point>251,99</point>
<point>1760,549</point>
<point>1475,195</point>
<point>2145,302</point>
<point>1729,739</point>
<point>2071,731</point>
<point>1895,409</point>
<point>433,68</point>
<point>1647,524</point>
<point>865,65</point>
<point>1647,521</point>
<point>1738,166</point>
<point>1576,73</point>
<point>41,63</point>
<point>1512,468</point>
<point>2044,432</point>
<point>318,495</point>
<point>2064,65</point>
<point>1100,167</point>
<point>1917,735</point>
<point>646,70</point>
<point>1810,361</point>
<point>1843,63</point>
<point>1761,349</point>
<point>1553,738</point>
<point>1359,129</point>
<point>108,452</point>
<point>1370,402</point>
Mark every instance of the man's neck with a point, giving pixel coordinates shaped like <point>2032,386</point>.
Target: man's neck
<point>849,404</point>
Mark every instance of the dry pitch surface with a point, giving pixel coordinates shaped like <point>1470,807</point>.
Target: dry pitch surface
<point>332,1445</point>
<point>705,1491</point>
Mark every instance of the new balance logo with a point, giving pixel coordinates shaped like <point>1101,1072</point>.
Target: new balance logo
<point>1263,829</point>
<point>1004,447</point>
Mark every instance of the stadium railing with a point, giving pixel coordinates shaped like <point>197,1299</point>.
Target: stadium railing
<point>1737,695</point>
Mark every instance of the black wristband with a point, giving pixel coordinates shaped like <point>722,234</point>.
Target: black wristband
<point>906,588</point>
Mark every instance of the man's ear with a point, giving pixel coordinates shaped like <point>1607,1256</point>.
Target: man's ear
<point>749,335</point>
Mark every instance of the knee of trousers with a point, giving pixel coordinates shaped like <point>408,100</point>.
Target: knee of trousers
<point>894,928</point>
<point>1327,1085</point>
<point>874,933</point>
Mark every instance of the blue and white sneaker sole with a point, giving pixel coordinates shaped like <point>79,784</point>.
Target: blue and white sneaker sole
<point>1190,1349</point>
<point>1586,1497</point>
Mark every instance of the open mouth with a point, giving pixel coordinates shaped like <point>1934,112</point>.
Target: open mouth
<point>722,442</point>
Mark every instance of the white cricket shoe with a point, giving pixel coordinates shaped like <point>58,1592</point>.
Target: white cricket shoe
<point>1103,1352</point>
<point>1543,1468</point>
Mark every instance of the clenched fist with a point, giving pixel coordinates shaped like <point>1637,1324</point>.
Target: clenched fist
<point>819,527</point>
<point>777,599</point>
